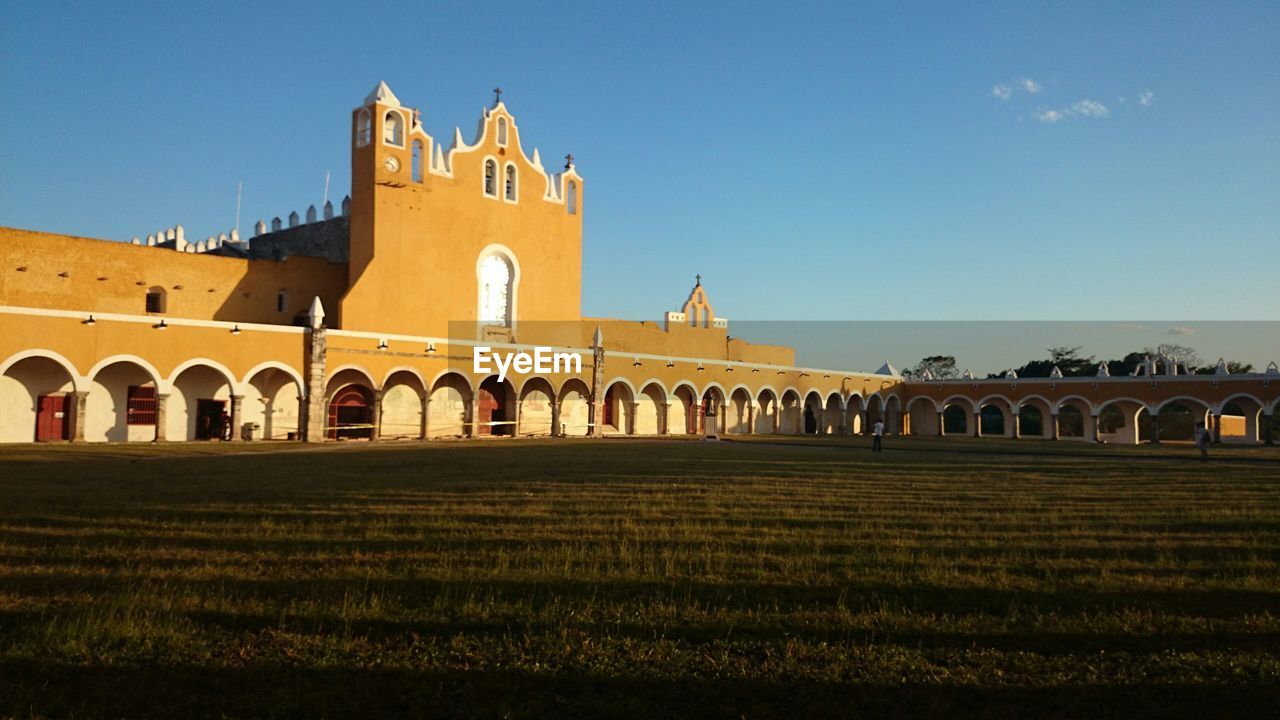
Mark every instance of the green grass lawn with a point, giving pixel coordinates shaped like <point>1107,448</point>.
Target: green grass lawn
<point>768,577</point>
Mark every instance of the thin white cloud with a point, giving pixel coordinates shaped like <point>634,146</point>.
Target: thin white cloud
<point>1049,116</point>
<point>1129,327</point>
<point>1146,98</point>
<point>1090,108</point>
<point>1004,91</point>
<point>1178,330</point>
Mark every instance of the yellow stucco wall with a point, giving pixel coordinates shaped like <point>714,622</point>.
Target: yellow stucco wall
<point>45,270</point>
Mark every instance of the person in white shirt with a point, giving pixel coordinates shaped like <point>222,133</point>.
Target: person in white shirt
<point>877,434</point>
<point>1202,441</point>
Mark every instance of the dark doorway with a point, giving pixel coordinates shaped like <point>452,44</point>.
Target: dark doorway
<point>52,418</point>
<point>810,422</point>
<point>491,409</point>
<point>351,414</point>
<point>209,419</point>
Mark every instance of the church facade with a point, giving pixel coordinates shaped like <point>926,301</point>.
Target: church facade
<point>363,322</point>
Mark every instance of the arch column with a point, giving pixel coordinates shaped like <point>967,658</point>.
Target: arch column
<point>664,419</point>
<point>162,415</point>
<point>976,430</point>
<point>942,429</point>
<point>1153,427</point>
<point>634,407</point>
<point>473,412</point>
<point>819,418</point>
<point>1216,419</point>
<point>1267,439</point>
<point>1093,430</point>
<point>1017,426</point>
<point>236,402</point>
<point>375,433</point>
<point>777,417</point>
<point>555,417</point>
<point>751,418</point>
<point>426,414</point>
<point>82,401</point>
<point>1053,425</point>
<point>515,429</point>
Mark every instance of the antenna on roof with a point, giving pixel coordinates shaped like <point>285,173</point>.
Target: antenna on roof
<point>326,187</point>
<point>239,194</point>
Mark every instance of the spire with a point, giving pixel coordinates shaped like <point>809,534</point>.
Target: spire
<point>315,316</point>
<point>597,340</point>
<point>382,94</point>
<point>888,369</point>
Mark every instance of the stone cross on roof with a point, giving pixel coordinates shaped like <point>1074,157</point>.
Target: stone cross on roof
<point>497,95</point>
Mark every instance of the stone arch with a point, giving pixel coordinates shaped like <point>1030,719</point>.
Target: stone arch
<point>201,395</point>
<point>685,407</point>
<point>767,413</point>
<point>1075,418</point>
<point>874,411</point>
<point>854,414</point>
<point>651,408</point>
<point>893,418</point>
<point>273,397</point>
<point>738,420</point>
<point>1176,419</point>
<point>616,409</point>
<point>1036,416</point>
<point>813,411</point>
<point>114,411</point>
<point>537,397</point>
<point>449,405</point>
<point>400,416</point>
<point>924,414</point>
<point>1239,419</point>
<point>37,397</point>
<point>833,415</point>
<point>995,416</point>
<point>713,404</point>
<point>575,407</point>
<point>1119,420</point>
<point>791,412</point>
<point>494,407</point>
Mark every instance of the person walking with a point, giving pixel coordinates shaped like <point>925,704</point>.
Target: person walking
<point>1203,439</point>
<point>877,436</point>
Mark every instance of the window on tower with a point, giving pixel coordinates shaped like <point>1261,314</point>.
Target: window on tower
<point>393,129</point>
<point>511,183</point>
<point>491,178</point>
<point>495,290</point>
<point>572,201</point>
<point>502,131</point>
<point>364,129</point>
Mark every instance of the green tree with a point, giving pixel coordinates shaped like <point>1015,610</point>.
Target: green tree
<point>943,367</point>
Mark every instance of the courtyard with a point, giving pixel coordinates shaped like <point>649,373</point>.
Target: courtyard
<point>758,577</point>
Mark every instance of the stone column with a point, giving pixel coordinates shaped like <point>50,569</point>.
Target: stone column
<point>1094,434</point>
<point>976,430</point>
<point>426,417</point>
<point>819,421</point>
<point>751,418</point>
<point>1216,419</point>
<point>777,418</point>
<point>470,416</point>
<point>162,416</point>
<point>1153,428</point>
<point>633,408</point>
<point>866,422</point>
<point>515,429</point>
<point>82,402</point>
<point>317,375</point>
<point>942,429</point>
<point>556,430</point>
<point>236,412</point>
<point>1266,429</point>
<point>1053,425</point>
<point>664,418</point>
<point>375,433</point>
<point>1016,431</point>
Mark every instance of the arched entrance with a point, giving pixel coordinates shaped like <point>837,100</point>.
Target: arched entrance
<point>37,401</point>
<point>767,412</point>
<point>495,407</point>
<point>351,413</point>
<point>575,407</point>
<point>123,403</point>
<point>199,407</point>
<point>273,401</point>
<point>686,407</point>
<point>924,417</point>
<point>813,420</point>
<point>616,410</point>
<point>536,401</point>
<point>711,412</point>
<point>448,406</point>
<point>854,414</point>
<point>651,410</point>
<point>792,414</point>
<point>833,415</point>
<point>739,420</point>
<point>401,417</point>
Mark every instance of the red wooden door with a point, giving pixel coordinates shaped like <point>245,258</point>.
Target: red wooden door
<point>51,418</point>
<point>484,412</point>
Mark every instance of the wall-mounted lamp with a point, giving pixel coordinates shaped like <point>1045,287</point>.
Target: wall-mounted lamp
<point>235,330</point>
<point>177,287</point>
<point>382,344</point>
<point>88,321</point>
<point>64,274</point>
<point>700,368</point>
<point>636,363</point>
<point>431,348</point>
<point>162,325</point>
<point>670,364</point>
<point>755,370</point>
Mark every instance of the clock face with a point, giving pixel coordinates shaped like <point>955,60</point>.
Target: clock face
<point>391,164</point>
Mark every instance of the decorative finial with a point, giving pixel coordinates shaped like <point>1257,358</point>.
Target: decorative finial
<point>568,161</point>
<point>497,95</point>
<point>699,280</point>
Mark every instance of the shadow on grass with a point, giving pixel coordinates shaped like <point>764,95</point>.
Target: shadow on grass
<point>31,688</point>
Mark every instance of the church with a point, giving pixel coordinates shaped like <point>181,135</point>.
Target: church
<point>362,322</point>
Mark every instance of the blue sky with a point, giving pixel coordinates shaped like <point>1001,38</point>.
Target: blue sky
<point>820,162</point>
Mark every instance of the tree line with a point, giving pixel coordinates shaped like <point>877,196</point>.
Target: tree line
<point>1072,364</point>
